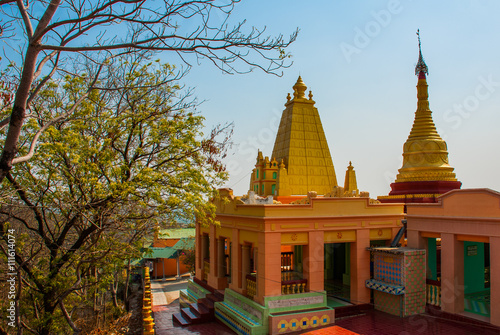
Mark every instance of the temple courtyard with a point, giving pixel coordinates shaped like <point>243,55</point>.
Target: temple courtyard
<point>370,322</point>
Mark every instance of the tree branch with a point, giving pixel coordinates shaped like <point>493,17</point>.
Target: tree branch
<point>76,330</point>
<point>26,19</point>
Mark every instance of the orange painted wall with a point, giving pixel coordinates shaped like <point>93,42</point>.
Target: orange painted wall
<point>170,268</point>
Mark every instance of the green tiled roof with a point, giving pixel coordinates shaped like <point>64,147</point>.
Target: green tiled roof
<point>167,252</point>
<point>170,252</point>
<point>185,244</point>
<point>176,233</point>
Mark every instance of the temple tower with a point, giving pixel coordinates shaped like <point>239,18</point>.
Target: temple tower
<point>350,183</point>
<point>301,156</point>
<point>425,173</point>
<point>301,144</point>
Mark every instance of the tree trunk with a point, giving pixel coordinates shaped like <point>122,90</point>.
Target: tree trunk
<point>18,299</point>
<point>46,327</point>
<point>18,113</point>
<point>127,283</point>
<point>114,289</point>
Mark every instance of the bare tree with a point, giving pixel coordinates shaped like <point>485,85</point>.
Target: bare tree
<point>53,31</point>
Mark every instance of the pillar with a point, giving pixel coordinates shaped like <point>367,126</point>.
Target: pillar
<point>220,258</point>
<point>452,274</point>
<point>245,264</point>
<point>204,249</point>
<point>197,253</point>
<point>178,261</point>
<point>415,240</point>
<point>314,259</point>
<point>235,262</point>
<point>201,255</point>
<point>495,280</point>
<point>269,265</point>
<point>360,267</point>
<point>212,254</point>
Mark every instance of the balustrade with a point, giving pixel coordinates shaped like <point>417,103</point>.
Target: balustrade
<point>433,292</point>
<point>251,286</point>
<point>293,286</point>
<point>206,268</point>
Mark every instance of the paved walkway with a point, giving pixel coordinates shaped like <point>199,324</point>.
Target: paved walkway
<point>166,303</point>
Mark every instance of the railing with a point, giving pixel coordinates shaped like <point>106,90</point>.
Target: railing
<point>293,286</point>
<point>433,292</point>
<point>251,286</point>
<point>206,268</point>
<point>286,261</point>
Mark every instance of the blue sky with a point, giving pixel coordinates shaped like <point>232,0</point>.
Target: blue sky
<point>358,58</point>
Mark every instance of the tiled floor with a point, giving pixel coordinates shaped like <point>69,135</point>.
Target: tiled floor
<point>335,330</point>
<point>379,323</point>
<point>371,323</point>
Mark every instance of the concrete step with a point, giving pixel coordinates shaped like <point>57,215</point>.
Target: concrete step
<point>179,321</point>
<point>189,316</point>
<point>199,310</point>
<point>214,298</point>
<point>219,294</point>
<point>207,303</point>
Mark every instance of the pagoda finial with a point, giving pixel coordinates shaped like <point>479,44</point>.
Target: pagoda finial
<point>300,88</point>
<point>421,67</point>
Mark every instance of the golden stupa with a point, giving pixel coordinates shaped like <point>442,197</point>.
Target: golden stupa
<point>425,173</point>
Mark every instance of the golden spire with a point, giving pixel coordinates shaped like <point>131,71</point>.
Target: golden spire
<point>425,155</point>
<point>350,183</point>
<point>421,66</point>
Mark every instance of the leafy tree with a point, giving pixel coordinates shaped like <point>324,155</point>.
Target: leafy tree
<point>49,34</point>
<point>129,156</point>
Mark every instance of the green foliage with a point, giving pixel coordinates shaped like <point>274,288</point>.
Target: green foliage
<point>131,157</point>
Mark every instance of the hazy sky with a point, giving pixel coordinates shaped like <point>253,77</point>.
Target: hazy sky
<point>358,58</point>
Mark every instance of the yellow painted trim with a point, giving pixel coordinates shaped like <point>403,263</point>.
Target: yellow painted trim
<point>251,225</point>
<point>363,223</point>
<point>340,225</point>
<point>273,226</point>
<point>430,235</point>
<point>473,238</point>
<point>249,236</point>
<point>293,226</point>
<point>381,223</point>
<point>295,238</point>
<point>315,225</point>
<point>380,234</point>
<point>205,230</point>
<point>340,236</point>
<point>226,232</point>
